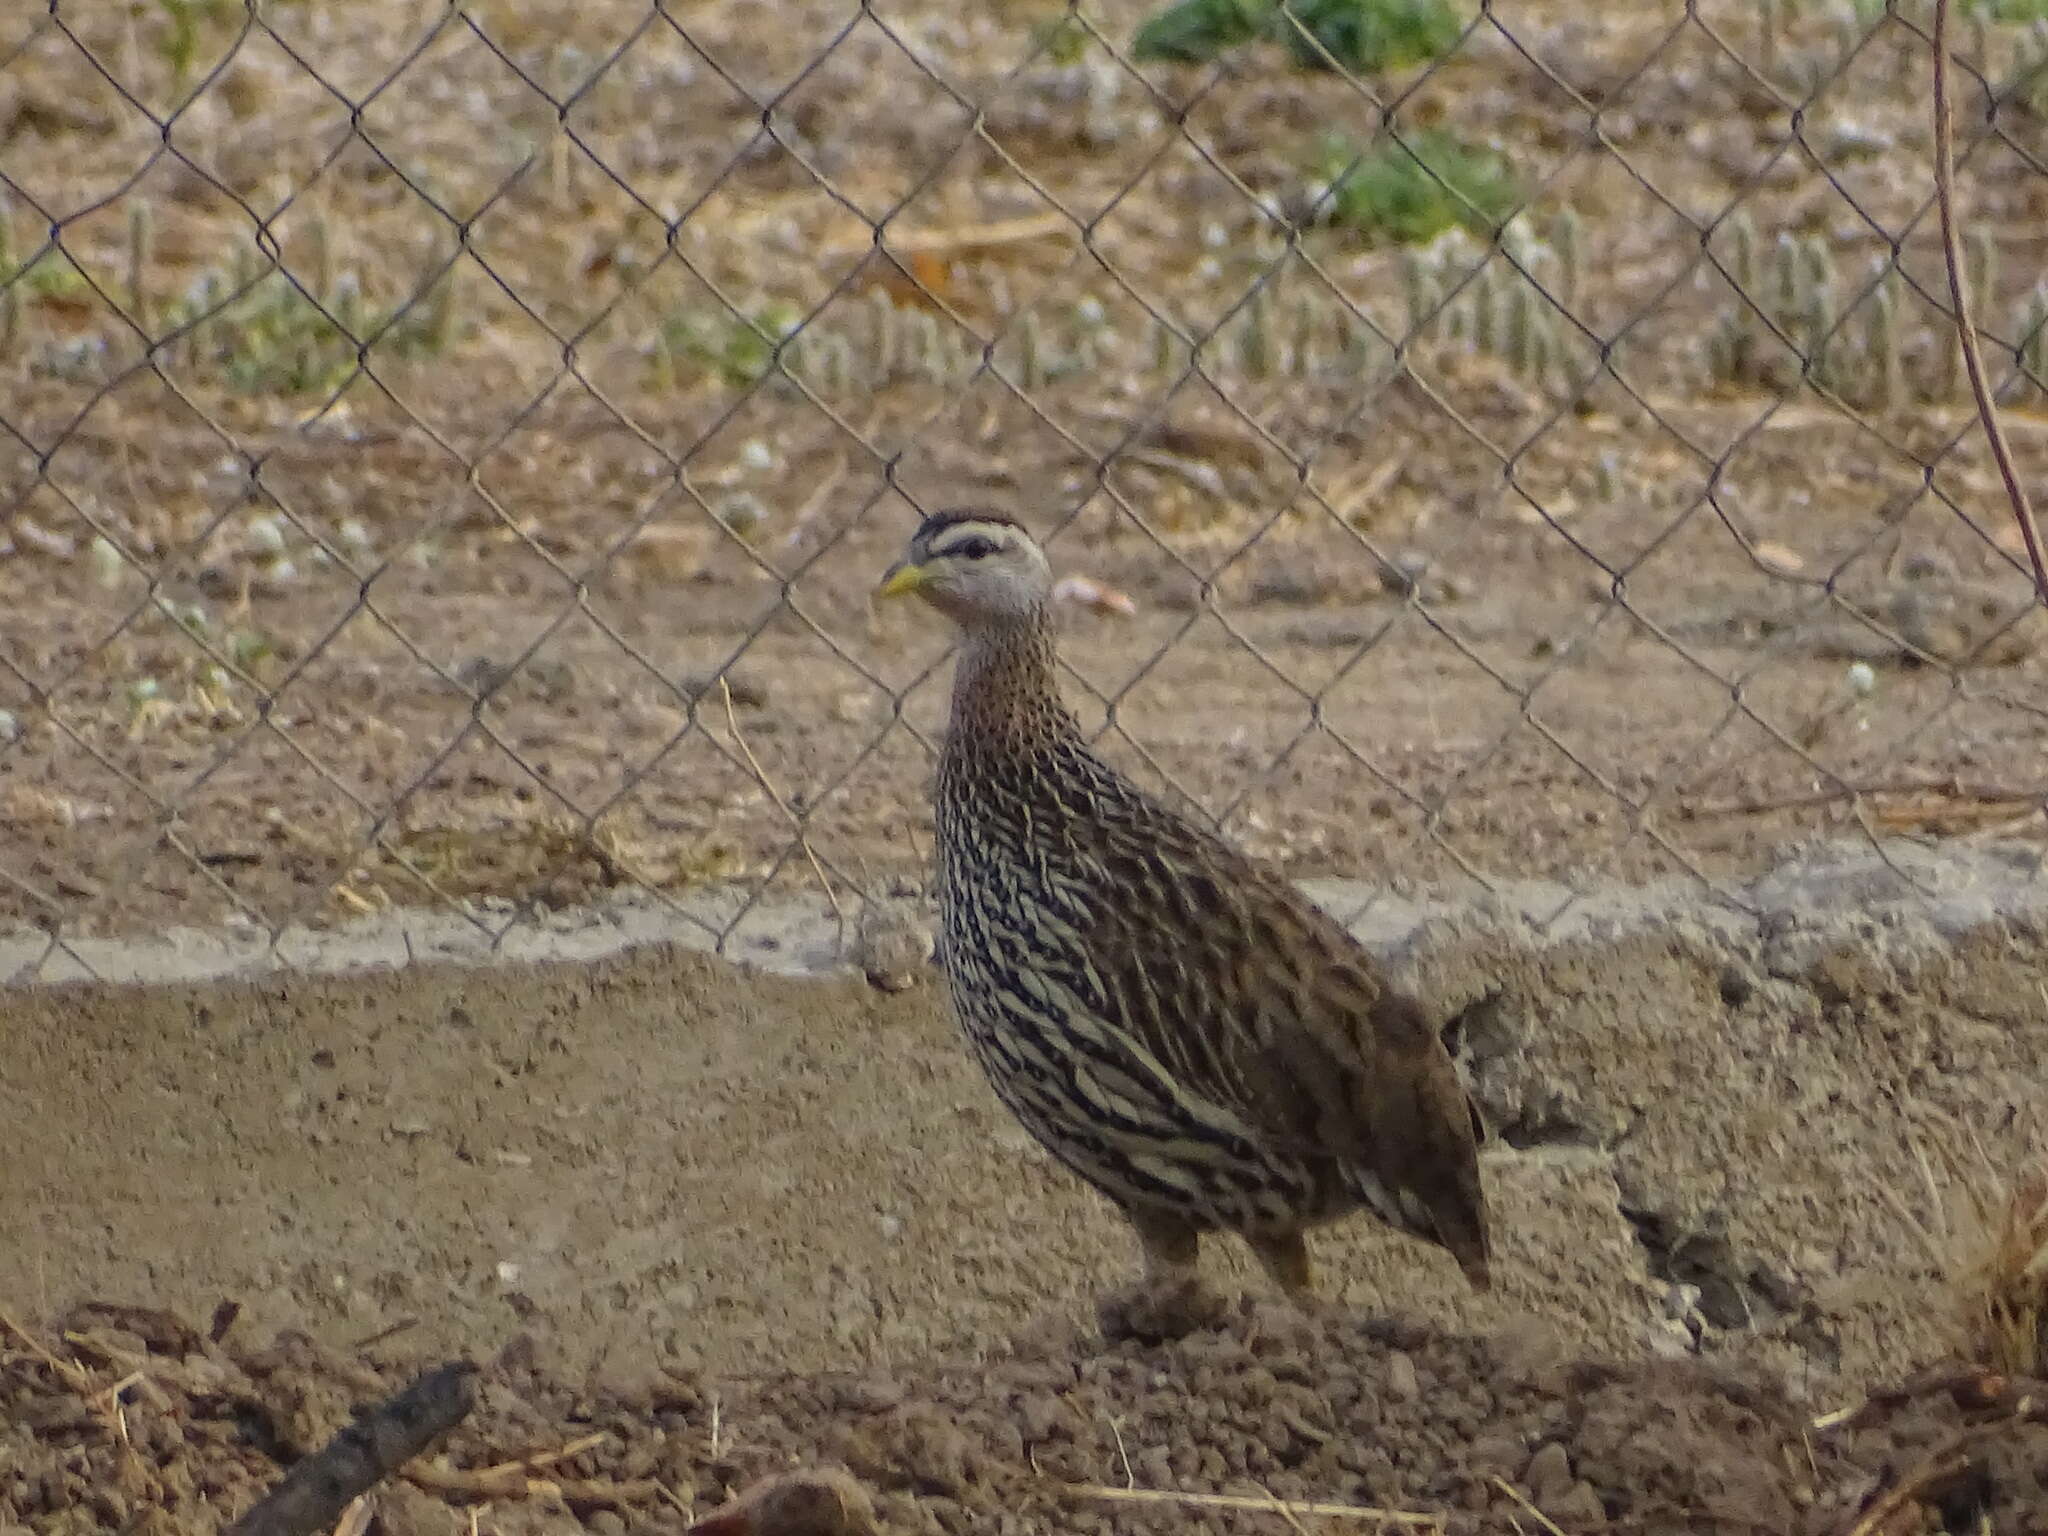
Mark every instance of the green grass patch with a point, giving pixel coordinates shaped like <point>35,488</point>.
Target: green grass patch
<point>1411,191</point>
<point>737,350</point>
<point>1362,36</point>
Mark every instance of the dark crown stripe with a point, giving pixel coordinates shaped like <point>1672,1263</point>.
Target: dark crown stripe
<point>939,522</point>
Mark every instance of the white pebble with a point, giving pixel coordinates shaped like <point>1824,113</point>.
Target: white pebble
<point>1680,1301</point>
<point>1862,679</point>
<point>757,454</point>
<point>10,728</point>
<point>266,536</point>
<point>107,564</point>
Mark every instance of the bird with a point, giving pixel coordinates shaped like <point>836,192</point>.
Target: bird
<point>1170,1018</point>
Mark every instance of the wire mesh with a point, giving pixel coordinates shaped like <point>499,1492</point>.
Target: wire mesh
<point>447,447</point>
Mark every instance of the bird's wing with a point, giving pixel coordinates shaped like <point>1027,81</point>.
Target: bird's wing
<point>1256,1000</point>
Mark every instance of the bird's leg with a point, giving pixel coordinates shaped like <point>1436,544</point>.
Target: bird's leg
<point>1285,1258</point>
<point>1171,1299</point>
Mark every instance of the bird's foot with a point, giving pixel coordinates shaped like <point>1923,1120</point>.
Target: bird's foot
<point>1156,1310</point>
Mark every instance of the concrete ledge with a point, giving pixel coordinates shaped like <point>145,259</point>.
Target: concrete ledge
<point>1914,892</point>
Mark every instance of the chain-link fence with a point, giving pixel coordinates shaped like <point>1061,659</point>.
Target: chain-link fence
<point>447,447</point>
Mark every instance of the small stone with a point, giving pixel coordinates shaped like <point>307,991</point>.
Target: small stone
<point>1495,1455</point>
<point>1334,631</point>
<point>1403,1384</point>
<point>826,1503</point>
<point>1680,1302</point>
<point>892,945</point>
<point>1041,1416</point>
<point>1578,1508</point>
<point>1672,1340</point>
<point>1403,574</point>
<point>702,689</point>
<point>1927,565</point>
<point>1723,1302</point>
<point>482,675</point>
<point>1737,985</point>
<point>1290,585</point>
<point>1549,1474</point>
<point>404,1510</point>
<point>741,512</point>
<point>1777,1290</point>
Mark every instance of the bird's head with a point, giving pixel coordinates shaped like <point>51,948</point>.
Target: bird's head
<point>980,570</point>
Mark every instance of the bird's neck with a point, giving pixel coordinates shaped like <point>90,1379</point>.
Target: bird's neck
<point>1006,696</point>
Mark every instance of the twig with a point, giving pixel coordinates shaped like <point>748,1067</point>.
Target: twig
<point>71,1370</point>
<point>1937,1473</point>
<point>1122,1455</point>
<point>1959,290</point>
<point>315,1493</point>
<point>1929,1383</point>
<point>803,837</point>
<point>382,1334</point>
<point>539,1459</point>
<point>511,1480</point>
<point>1406,1519</point>
<point>1985,794</point>
<point>966,240</point>
<point>1520,1498</point>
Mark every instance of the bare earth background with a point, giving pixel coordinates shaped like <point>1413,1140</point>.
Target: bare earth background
<point>328,659</point>
<point>1411,655</point>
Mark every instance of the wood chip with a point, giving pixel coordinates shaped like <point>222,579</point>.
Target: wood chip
<point>1095,596</point>
<point>1781,558</point>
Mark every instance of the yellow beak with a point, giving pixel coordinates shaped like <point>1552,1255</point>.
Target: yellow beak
<point>901,579</point>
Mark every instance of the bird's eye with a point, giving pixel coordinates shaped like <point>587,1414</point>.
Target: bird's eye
<point>974,547</point>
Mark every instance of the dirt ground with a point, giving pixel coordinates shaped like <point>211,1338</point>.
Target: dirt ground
<point>1749,1149</point>
<point>1440,1432</point>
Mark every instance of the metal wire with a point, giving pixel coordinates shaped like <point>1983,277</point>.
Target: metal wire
<point>404,113</point>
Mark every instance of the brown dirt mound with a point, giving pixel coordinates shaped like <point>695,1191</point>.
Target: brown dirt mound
<point>126,1418</point>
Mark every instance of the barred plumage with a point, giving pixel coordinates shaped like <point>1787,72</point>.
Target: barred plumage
<point>1170,1018</point>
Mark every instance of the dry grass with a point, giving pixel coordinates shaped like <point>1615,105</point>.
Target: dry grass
<point>1983,1227</point>
<point>2006,1295</point>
